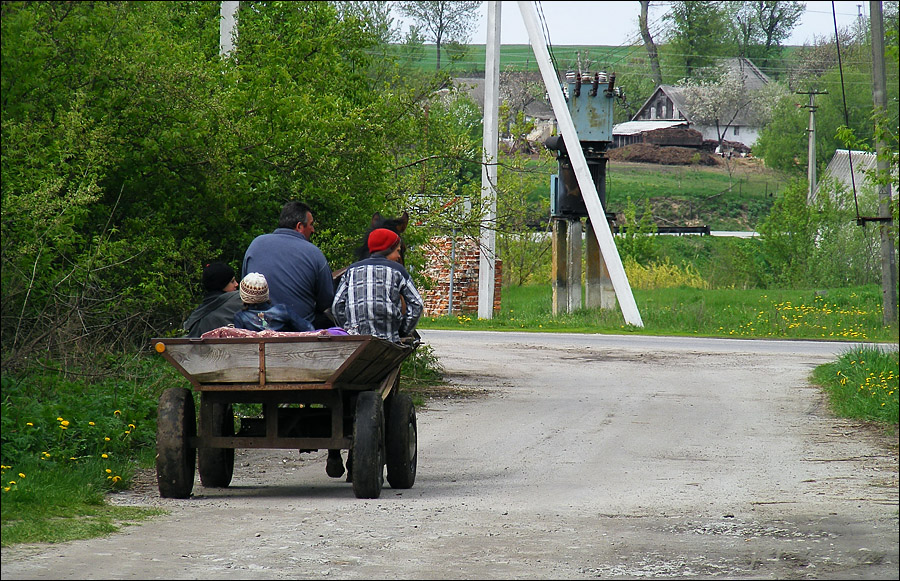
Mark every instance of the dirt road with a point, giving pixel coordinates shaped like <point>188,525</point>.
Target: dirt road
<point>563,456</point>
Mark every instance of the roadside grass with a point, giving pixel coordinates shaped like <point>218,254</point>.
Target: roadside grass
<point>848,314</point>
<point>862,383</point>
<point>44,502</point>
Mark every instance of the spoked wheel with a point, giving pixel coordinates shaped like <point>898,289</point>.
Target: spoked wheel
<point>367,448</point>
<point>402,447</point>
<point>216,465</point>
<point>175,458</point>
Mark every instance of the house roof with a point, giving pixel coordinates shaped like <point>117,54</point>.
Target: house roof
<point>839,169</point>
<point>635,127</point>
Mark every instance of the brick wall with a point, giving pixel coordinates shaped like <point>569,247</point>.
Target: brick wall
<point>465,276</point>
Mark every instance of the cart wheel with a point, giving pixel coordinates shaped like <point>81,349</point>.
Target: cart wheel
<point>176,425</point>
<point>402,450</point>
<point>367,448</point>
<point>216,465</point>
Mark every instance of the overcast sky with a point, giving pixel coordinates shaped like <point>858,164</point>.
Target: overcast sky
<point>616,23</point>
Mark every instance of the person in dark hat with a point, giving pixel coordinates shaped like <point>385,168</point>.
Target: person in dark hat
<point>220,301</point>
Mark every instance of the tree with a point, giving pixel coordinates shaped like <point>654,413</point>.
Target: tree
<point>762,26</point>
<point>699,32</point>
<point>648,42</point>
<point>721,99</point>
<point>442,20</point>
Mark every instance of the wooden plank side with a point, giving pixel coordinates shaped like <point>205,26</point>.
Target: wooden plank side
<point>287,362</point>
<point>218,363</point>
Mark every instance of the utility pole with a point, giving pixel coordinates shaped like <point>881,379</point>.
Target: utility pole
<point>811,164</point>
<point>490,142</point>
<point>886,226</point>
<point>227,13</point>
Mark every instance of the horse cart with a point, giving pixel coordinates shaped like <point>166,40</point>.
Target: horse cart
<point>317,391</point>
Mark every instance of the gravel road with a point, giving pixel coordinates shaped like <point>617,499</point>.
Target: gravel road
<point>556,456</point>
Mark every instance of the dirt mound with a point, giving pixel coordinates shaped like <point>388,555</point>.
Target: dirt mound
<point>663,155</point>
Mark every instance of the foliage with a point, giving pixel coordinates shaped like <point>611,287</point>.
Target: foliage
<point>132,153</point>
<point>662,274</point>
<point>762,26</point>
<point>637,240</point>
<point>863,383</point>
<point>821,245</point>
<point>695,35</point>
<point>443,21</point>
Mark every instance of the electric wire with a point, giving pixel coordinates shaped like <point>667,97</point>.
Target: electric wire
<point>846,114</point>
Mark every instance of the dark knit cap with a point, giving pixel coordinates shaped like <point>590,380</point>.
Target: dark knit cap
<point>383,239</point>
<point>216,275</point>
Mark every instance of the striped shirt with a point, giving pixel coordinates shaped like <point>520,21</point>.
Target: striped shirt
<point>368,300</point>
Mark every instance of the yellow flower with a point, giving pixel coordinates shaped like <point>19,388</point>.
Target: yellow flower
<point>61,427</point>
<point>21,475</point>
<point>104,456</point>
<point>132,426</point>
<point>64,423</point>
<point>28,424</point>
<point>6,489</point>
<point>11,482</point>
<point>116,479</point>
<point>106,439</point>
<point>91,424</point>
<point>59,419</point>
<point>118,412</point>
<point>108,471</point>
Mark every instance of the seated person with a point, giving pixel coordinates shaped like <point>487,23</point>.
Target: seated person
<point>259,314</point>
<point>370,296</point>
<point>220,302</point>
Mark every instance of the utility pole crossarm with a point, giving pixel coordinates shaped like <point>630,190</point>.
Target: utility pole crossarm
<point>579,164</point>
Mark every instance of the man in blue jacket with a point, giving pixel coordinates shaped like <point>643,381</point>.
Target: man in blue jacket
<point>296,270</point>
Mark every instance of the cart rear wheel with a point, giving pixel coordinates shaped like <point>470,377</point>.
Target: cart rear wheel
<point>216,465</point>
<point>175,458</point>
<point>402,449</point>
<point>368,445</point>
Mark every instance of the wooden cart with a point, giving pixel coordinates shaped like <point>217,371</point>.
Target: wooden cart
<point>316,392</point>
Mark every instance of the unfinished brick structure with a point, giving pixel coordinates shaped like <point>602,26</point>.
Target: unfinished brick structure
<point>438,252</point>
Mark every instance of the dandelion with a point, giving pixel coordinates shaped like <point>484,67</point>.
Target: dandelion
<point>104,456</point>
<point>91,424</point>
<point>21,475</point>
<point>118,412</point>
<point>106,439</point>
<point>64,423</point>
<point>29,424</point>
<point>108,471</point>
<point>59,419</point>
<point>62,427</point>
<point>116,479</point>
<point>132,426</point>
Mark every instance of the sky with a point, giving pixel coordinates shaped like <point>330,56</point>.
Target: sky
<point>616,23</point>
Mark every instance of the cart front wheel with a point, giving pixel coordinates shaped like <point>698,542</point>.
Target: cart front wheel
<point>216,465</point>
<point>368,445</point>
<point>175,458</point>
<point>402,451</point>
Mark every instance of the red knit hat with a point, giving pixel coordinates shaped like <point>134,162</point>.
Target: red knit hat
<point>383,239</point>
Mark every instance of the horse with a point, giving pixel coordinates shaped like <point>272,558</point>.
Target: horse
<point>398,225</point>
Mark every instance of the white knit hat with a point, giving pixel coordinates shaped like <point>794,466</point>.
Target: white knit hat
<point>254,288</point>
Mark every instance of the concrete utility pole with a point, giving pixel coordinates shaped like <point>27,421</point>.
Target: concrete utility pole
<point>579,164</point>
<point>879,95</point>
<point>227,28</point>
<point>811,164</point>
<point>491,133</point>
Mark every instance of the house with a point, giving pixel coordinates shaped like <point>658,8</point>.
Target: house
<point>839,172</point>
<point>668,104</point>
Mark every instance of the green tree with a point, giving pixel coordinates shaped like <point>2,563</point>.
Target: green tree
<point>442,21</point>
<point>762,26</point>
<point>699,32</point>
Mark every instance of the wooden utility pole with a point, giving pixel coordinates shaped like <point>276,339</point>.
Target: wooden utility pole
<point>886,226</point>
